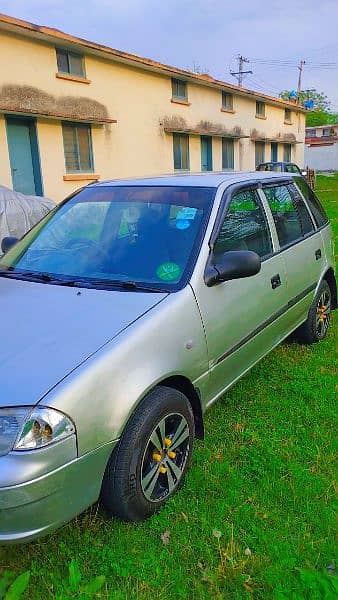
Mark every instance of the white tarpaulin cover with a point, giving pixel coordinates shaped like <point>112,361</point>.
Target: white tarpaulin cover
<point>18,212</point>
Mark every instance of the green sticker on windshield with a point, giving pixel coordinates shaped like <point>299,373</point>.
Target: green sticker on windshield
<point>168,271</point>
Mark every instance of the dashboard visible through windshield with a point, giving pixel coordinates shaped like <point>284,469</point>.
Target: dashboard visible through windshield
<point>110,235</point>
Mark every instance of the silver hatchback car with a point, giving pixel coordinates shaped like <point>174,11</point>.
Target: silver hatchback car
<point>126,312</point>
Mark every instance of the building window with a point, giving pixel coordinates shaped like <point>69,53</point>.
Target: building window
<point>70,63</point>
<point>227,154</point>
<point>326,131</point>
<point>287,115</point>
<point>287,152</point>
<point>259,153</point>
<point>179,90</point>
<point>260,109</point>
<point>181,151</point>
<point>77,145</point>
<point>311,133</point>
<point>227,101</point>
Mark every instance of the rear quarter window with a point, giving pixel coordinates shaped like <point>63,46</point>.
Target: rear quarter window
<point>312,201</point>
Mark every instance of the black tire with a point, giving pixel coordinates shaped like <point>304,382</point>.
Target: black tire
<point>132,461</point>
<point>314,330</point>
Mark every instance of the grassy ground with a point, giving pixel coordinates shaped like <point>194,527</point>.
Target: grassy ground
<point>255,518</point>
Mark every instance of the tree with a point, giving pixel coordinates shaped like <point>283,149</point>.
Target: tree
<point>321,113</point>
<point>320,101</point>
<point>321,117</point>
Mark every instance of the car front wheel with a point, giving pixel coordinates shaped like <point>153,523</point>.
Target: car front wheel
<point>149,464</point>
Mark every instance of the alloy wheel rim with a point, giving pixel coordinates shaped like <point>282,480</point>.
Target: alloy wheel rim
<point>165,457</point>
<point>323,313</point>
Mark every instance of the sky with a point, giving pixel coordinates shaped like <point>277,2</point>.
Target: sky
<point>208,34</point>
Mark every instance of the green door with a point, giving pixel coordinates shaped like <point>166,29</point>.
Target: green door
<point>24,156</point>
<point>274,151</point>
<point>206,153</point>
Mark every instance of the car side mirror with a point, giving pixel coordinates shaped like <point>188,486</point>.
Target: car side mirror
<point>304,173</point>
<point>234,264</point>
<point>7,243</point>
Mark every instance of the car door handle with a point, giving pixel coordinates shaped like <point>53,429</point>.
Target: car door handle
<point>275,281</point>
<point>318,254</point>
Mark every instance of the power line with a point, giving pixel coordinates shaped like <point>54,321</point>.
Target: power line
<point>263,88</point>
<point>259,81</point>
<point>286,63</point>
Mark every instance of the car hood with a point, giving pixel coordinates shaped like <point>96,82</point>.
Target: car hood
<point>48,330</point>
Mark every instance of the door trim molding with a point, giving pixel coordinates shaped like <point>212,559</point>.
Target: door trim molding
<point>266,323</point>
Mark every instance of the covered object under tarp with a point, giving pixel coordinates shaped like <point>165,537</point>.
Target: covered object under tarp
<point>18,212</point>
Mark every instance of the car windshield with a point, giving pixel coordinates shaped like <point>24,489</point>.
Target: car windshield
<point>269,167</point>
<point>116,235</point>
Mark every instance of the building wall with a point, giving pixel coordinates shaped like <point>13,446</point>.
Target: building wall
<point>322,158</point>
<point>139,100</point>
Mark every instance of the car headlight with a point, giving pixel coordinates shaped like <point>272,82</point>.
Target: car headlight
<point>21,429</point>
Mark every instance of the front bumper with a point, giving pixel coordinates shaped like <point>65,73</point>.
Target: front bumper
<point>40,505</point>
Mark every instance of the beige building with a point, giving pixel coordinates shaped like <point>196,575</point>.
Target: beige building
<point>73,111</point>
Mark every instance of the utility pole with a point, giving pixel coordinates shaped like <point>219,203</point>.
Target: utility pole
<point>299,87</point>
<point>239,74</point>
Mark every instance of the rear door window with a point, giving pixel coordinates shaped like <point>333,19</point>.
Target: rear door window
<point>244,226</point>
<point>285,214</point>
<point>312,201</point>
<point>303,213</point>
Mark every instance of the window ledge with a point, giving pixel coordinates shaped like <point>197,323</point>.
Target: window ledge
<point>260,117</point>
<point>69,77</point>
<point>228,110</point>
<point>288,123</point>
<point>177,101</point>
<point>81,177</point>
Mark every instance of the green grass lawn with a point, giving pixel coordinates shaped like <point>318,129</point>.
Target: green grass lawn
<point>255,517</point>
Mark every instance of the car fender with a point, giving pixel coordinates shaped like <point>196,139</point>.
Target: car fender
<point>101,394</point>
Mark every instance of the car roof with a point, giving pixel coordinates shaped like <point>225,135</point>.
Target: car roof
<point>196,179</point>
<point>277,162</point>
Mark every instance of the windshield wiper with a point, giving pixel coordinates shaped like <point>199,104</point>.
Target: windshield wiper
<point>36,276</point>
<point>136,285</point>
<point>120,283</point>
<point>89,283</point>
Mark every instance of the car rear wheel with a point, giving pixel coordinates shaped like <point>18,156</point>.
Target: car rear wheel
<point>315,327</point>
<point>150,462</point>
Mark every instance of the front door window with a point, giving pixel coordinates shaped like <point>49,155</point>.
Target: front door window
<point>245,226</point>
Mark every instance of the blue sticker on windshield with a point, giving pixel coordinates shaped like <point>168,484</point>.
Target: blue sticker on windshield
<point>186,213</point>
<point>182,224</point>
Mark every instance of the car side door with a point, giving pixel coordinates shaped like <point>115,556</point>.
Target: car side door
<point>240,315</point>
<point>300,245</point>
